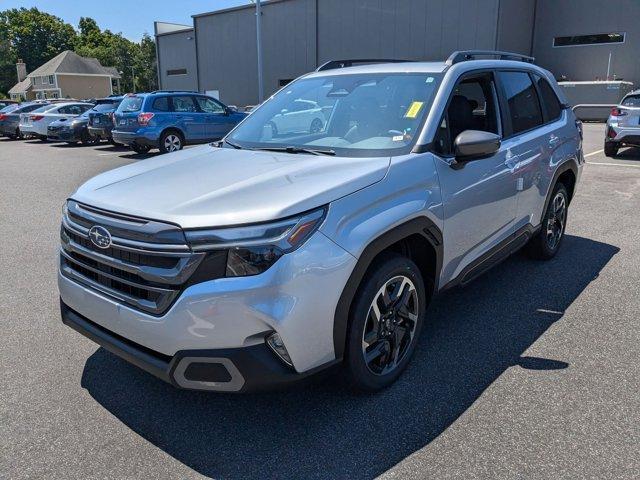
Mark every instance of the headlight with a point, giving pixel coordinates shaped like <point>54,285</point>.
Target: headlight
<point>253,249</point>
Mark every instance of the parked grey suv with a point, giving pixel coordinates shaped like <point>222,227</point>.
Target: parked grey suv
<point>275,254</point>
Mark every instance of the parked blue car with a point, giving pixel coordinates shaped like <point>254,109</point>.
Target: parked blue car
<point>169,120</point>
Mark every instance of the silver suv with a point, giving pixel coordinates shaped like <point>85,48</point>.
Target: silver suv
<point>292,246</point>
<point>623,125</point>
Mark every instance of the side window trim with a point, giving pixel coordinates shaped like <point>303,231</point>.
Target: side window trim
<point>541,103</point>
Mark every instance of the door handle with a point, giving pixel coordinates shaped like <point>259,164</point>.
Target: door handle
<point>553,139</point>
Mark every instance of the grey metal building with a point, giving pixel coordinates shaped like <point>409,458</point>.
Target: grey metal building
<point>217,54</point>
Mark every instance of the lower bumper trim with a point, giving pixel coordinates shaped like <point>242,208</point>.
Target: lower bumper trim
<point>248,369</point>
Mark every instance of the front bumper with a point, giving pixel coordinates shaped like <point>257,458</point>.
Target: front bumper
<point>246,369</point>
<point>69,135</point>
<point>297,298</point>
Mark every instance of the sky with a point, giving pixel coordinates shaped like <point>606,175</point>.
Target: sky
<point>131,17</point>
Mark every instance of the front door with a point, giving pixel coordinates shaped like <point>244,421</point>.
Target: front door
<point>479,196</point>
<point>215,120</point>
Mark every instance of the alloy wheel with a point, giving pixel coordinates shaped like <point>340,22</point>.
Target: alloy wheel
<point>172,143</point>
<point>556,220</point>
<point>390,325</point>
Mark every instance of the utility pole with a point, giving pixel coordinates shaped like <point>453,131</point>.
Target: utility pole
<point>609,66</point>
<point>259,50</point>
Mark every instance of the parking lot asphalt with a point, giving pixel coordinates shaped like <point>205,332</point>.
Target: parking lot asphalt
<point>532,371</point>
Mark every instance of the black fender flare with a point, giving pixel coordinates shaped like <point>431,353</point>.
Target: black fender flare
<point>422,226</point>
<point>563,167</point>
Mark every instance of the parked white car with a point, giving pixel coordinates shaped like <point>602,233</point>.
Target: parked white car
<point>35,123</point>
<point>303,116</point>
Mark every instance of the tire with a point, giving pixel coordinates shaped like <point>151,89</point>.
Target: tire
<point>316,126</point>
<point>114,143</point>
<point>170,141</point>
<point>389,342</point>
<point>546,243</point>
<point>140,148</point>
<point>86,139</point>
<point>610,149</point>
<point>18,135</point>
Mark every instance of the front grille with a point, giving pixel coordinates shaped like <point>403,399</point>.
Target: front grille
<point>141,267</point>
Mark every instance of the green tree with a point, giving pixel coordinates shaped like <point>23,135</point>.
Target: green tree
<point>35,36</point>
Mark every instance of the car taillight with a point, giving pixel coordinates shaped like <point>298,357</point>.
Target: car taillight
<point>35,118</point>
<point>144,118</point>
<point>2,116</point>
<point>618,112</point>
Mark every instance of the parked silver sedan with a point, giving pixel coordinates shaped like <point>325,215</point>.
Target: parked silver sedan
<point>623,125</point>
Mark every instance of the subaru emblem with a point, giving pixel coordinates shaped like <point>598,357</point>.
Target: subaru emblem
<point>100,236</point>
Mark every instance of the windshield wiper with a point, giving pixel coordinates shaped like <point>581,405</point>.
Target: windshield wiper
<point>219,144</point>
<point>291,149</point>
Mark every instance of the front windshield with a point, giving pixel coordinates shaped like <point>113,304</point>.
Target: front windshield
<point>375,114</point>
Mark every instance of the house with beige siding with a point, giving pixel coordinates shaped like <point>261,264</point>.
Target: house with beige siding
<point>67,75</point>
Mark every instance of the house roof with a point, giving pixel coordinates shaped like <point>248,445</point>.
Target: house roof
<point>71,62</point>
<point>21,87</point>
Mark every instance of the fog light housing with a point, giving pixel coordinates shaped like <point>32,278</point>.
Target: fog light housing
<point>277,345</point>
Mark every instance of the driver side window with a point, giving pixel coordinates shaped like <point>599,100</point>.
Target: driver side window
<point>472,106</point>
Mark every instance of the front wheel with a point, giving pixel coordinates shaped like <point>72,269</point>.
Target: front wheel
<point>546,242</point>
<point>170,142</point>
<point>385,322</point>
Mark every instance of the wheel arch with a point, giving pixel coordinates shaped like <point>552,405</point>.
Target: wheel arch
<point>567,173</point>
<point>411,235</point>
<point>173,128</point>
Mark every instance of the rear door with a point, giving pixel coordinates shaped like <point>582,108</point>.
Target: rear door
<point>536,136</point>
<point>217,123</point>
<point>187,118</point>
<point>631,112</point>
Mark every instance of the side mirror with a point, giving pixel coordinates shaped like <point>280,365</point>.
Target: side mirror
<point>473,144</point>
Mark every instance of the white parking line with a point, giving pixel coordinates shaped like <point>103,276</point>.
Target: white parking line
<point>613,164</point>
<point>593,153</point>
<point>110,153</point>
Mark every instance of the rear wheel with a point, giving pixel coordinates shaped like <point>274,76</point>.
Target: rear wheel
<point>316,126</point>
<point>547,241</point>
<point>385,322</point>
<point>170,141</point>
<point>114,143</point>
<point>140,148</point>
<point>610,149</point>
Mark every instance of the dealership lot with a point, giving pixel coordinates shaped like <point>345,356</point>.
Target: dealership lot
<point>531,371</point>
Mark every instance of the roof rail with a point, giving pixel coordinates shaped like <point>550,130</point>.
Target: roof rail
<point>331,64</point>
<point>174,91</point>
<point>463,55</point>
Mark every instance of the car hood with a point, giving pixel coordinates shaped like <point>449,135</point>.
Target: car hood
<point>207,186</point>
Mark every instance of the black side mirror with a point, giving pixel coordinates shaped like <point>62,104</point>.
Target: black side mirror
<point>474,144</point>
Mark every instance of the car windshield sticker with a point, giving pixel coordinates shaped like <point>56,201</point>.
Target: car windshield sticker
<point>414,108</point>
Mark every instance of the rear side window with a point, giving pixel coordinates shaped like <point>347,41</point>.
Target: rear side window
<point>549,98</point>
<point>161,104</point>
<point>130,104</point>
<point>631,101</point>
<point>183,104</point>
<point>524,107</point>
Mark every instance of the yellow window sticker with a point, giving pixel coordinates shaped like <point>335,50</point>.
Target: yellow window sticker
<point>413,110</point>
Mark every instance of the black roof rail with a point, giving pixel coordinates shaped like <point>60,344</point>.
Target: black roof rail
<point>331,64</point>
<point>174,91</point>
<point>463,55</point>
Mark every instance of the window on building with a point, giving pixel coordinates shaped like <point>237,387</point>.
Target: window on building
<point>177,71</point>
<point>52,80</point>
<point>524,107</point>
<point>581,40</point>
